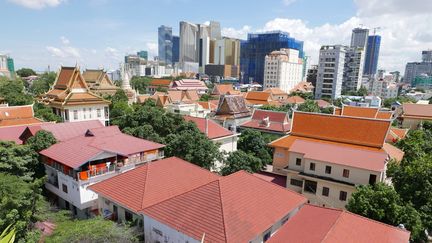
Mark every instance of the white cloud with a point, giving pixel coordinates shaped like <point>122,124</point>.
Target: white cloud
<point>152,49</point>
<point>288,2</point>
<point>37,4</point>
<point>64,40</point>
<point>240,33</point>
<point>405,30</point>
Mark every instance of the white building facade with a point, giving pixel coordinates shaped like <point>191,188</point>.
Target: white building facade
<point>354,63</point>
<point>283,69</point>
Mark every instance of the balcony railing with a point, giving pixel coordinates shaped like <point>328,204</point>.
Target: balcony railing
<point>96,171</point>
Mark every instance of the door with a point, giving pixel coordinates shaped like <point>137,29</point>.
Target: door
<point>372,179</point>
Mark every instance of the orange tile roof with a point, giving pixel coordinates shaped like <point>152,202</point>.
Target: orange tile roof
<point>64,77</point>
<point>258,95</point>
<point>20,121</point>
<point>275,91</point>
<point>417,110</point>
<point>322,103</point>
<point>393,152</point>
<point>207,105</point>
<point>153,183</point>
<point>357,111</point>
<point>234,208</point>
<point>295,100</point>
<point>160,82</point>
<point>353,130</point>
<point>384,115</point>
<point>396,134</point>
<point>222,89</point>
<point>337,111</point>
<point>314,224</point>
<point>17,115</point>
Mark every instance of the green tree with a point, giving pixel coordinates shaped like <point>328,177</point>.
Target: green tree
<point>239,160</point>
<point>306,96</point>
<point>253,142</point>
<point>205,97</point>
<point>416,144</point>
<point>13,92</point>
<point>382,203</point>
<point>140,83</point>
<point>17,204</point>
<point>309,106</point>
<point>41,140</point>
<point>19,160</point>
<point>363,91</point>
<point>401,99</point>
<point>25,72</point>
<point>8,235</point>
<point>284,108</point>
<point>91,230</point>
<point>191,145</point>
<point>43,83</point>
<point>45,113</point>
<point>145,132</point>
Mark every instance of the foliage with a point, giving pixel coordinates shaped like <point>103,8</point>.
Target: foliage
<point>91,230</point>
<point>183,139</point>
<point>119,96</point>
<point>304,95</point>
<point>25,72</point>
<point>253,142</point>
<point>206,97</point>
<point>284,108</point>
<point>239,160</point>
<point>13,92</point>
<point>41,140</point>
<point>119,105</point>
<point>8,235</point>
<point>140,83</point>
<point>45,113</point>
<point>309,106</point>
<point>327,110</point>
<point>19,160</point>
<point>18,202</point>
<point>382,203</point>
<point>416,144</point>
<point>43,83</point>
<point>401,99</point>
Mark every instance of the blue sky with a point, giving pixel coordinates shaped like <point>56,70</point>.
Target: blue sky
<point>97,33</point>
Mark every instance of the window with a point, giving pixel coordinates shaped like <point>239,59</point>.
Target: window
<point>342,196</point>
<point>310,186</point>
<point>75,114</point>
<point>325,191</point>
<point>84,113</point>
<point>90,113</point>
<point>328,169</point>
<point>295,182</point>
<point>372,179</point>
<point>298,161</point>
<point>65,189</point>
<point>345,173</point>
<point>98,111</point>
<point>67,205</point>
<point>66,115</point>
<point>128,216</point>
<point>312,166</point>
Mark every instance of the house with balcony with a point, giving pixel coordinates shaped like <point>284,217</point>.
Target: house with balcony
<point>173,200</point>
<point>95,155</point>
<point>72,99</point>
<point>326,156</point>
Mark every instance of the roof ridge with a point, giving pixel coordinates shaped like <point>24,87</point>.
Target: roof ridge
<point>332,227</point>
<point>145,184</point>
<point>375,221</point>
<point>222,209</point>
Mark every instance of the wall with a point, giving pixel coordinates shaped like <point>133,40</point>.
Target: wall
<point>155,231</point>
<point>227,144</point>
<point>88,115</point>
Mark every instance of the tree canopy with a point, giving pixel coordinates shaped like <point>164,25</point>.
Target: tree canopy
<point>14,93</point>
<point>25,72</point>
<point>140,83</point>
<point>309,106</point>
<point>43,83</point>
<point>19,160</point>
<point>253,142</point>
<point>382,203</point>
<point>45,113</point>
<point>240,160</point>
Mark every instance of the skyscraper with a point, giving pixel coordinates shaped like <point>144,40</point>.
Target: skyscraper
<point>165,44</point>
<point>189,42</point>
<point>330,71</point>
<point>353,70</point>
<point>372,53</point>
<point>415,69</point>
<point>257,46</point>
<point>175,49</point>
<point>359,37</point>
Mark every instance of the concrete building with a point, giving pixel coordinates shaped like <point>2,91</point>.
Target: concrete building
<point>359,37</point>
<point>353,70</point>
<point>227,51</point>
<point>72,99</point>
<point>413,115</point>
<point>326,156</point>
<point>415,69</point>
<point>330,72</point>
<point>102,154</point>
<point>312,74</point>
<point>189,42</point>
<point>5,66</point>
<point>383,88</point>
<point>165,44</point>
<point>283,69</point>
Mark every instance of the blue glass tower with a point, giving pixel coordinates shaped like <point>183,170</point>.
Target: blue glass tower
<point>175,48</point>
<point>165,44</point>
<point>257,46</point>
<point>372,53</point>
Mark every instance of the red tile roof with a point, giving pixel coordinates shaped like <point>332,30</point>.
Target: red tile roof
<point>331,153</point>
<point>366,112</point>
<point>393,152</point>
<point>279,180</point>
<point>322,103</point>
<point>417,111</point>
<point>214,130</point>
<point>396,134</point>
<point>313,224</point>
<point>353,130</point>
<point>17,115</point>
<point>222,89</point>
<point>13,133</point>
<point>189,84</point>
<point>153,183</point>
<point>234,208</point>
<point>78,150</point>
<point>258,95</point>
<point>278,121</point>
<point>160,82</point>
<point>295,100</point>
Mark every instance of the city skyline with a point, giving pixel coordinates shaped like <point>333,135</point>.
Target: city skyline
<point>84,34</point>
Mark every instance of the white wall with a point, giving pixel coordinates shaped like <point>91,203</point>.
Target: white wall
<point>90,113</point>
<point>155,231</point>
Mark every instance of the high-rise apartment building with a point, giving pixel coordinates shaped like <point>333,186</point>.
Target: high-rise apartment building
<point>227,51</point>
<point>372,54</point>
<point>283,69</point>
<point>416,69</point>
<point>165,44</point>
<point>330,71</point>
<point>7,67</point>
<point>175,49</point>
<point>353,72</point>
<point>312,74</point>
<point>359,37</point>
<point>189,42</point>
<point>257,46</point>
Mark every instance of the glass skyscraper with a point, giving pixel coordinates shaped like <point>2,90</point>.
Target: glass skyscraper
<point>175,49</point>
<point>165,44</point>
<point>372,53</point>
<point>257,46</point>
